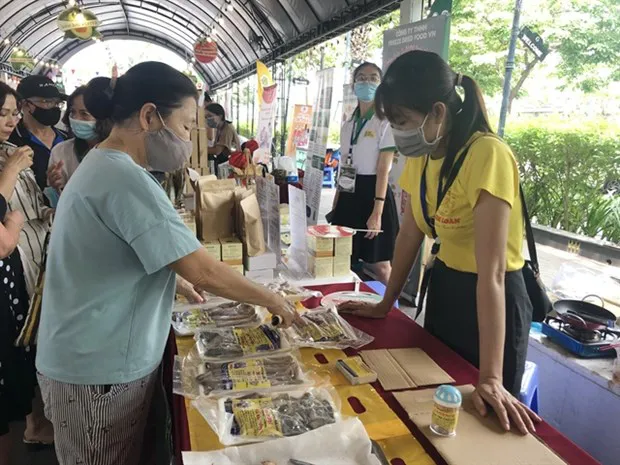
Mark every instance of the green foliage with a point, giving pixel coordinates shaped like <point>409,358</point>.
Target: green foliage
<point>565,168</point>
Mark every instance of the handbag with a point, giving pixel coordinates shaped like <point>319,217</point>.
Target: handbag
<point>541,305</point>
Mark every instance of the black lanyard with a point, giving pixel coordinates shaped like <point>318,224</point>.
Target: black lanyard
<point>441,193</point>
<point>358,127</point>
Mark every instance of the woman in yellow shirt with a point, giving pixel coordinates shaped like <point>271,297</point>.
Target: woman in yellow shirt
<point>477,301</point>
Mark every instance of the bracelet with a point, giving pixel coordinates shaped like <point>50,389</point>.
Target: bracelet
<point>380,199</point>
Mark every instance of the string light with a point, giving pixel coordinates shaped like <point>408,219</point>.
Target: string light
<point>71,3</point>
<point>230,6</point>
<point>7,41</point>
<point>221,20</point>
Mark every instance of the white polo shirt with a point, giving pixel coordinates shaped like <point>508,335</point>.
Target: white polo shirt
<point>374,138</point>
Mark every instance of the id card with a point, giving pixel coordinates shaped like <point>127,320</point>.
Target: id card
<point>346,178</point>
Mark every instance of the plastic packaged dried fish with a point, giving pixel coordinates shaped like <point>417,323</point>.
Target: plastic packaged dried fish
<point>215,313</point>
<point>257,417</point>
<point>324,328</point>
<point>291,292</point>
<point>229,344</point>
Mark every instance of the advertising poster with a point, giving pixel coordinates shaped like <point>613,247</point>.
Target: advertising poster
<point>430,35</point>
<point>319,132</point>
<point>266,116</point>
<point>313,183</point>
<point>349,102</point>
<point>299,135</point>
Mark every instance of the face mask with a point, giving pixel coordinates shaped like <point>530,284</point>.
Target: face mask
<point>413,143</point>
<point>46,116</point>
<point>165,151</point>
<point>212,123</point>
<point>84,130</point>
<point>365,91</point>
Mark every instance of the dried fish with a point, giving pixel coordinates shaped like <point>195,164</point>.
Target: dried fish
<point>232,343</point>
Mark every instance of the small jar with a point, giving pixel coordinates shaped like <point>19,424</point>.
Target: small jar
<point>445,415</point>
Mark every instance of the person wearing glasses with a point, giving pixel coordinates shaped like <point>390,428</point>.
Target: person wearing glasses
<point>364,199</point>
<point>41,108</point>
<point>22,232</point>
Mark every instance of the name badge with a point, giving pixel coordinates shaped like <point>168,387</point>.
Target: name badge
<point>346,178</point>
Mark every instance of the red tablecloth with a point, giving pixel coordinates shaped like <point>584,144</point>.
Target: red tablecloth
<point>398,331</point>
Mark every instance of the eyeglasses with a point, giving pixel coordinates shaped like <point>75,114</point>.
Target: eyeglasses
<point>46,102</point>
<point>375,79</point>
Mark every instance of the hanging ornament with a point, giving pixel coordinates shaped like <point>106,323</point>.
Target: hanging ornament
<point>191,76</point>
<point>78,24</point>
<point>205,50</point>
<point>21,61</point>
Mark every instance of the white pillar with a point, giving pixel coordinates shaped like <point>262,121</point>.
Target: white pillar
<point>411,11</point>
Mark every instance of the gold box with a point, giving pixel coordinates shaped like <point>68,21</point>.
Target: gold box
<point>342,265</point>
<point>321,267</point>
<point>214,249</point>
<point>232,251</point>
<point>321,246</point>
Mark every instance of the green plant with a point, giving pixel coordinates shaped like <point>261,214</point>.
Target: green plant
<point>564,168</point>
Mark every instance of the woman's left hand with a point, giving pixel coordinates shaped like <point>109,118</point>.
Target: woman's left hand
<point>506,406</point>
<point>373,223</point>
<point>186,289</point>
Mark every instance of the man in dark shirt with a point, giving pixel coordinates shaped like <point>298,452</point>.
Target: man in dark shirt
<point>41,101</point>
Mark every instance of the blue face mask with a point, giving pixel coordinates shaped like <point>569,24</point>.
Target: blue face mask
<point>84,130</point>
<point>365,91</point>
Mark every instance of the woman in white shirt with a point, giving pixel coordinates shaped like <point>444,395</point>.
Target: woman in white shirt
<point>86,131</point>
<point>364,199</point>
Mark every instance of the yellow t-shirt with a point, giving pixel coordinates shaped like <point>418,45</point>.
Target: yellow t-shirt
<point>491,166</point>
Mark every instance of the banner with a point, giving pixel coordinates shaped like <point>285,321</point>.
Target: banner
<point>264,78</point>
<point>320,121</point>
<point>299,135</point>
<point>430,35</point>
<point>266,115</point>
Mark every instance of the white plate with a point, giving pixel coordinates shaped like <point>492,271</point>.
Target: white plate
<point>338,298</point>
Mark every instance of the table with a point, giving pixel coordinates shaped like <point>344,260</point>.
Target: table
<point>397,331</point>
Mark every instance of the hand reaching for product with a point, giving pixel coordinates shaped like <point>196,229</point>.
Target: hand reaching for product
<point>365,309</point>
<point>185,288</point>
<point>506,406</point>
<point>285,310</point>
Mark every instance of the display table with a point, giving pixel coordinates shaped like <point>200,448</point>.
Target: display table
<point>384,419</point>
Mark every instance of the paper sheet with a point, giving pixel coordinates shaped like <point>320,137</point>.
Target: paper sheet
<point>343,443</point>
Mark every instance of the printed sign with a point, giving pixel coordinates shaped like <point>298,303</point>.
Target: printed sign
<point>299,135</point>
<point>534,42</point>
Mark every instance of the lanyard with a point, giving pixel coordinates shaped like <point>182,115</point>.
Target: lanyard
<point>358,127</point>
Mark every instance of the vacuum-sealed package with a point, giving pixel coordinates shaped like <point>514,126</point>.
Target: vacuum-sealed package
<point>227,344</point>
<point>324,328</point>
<point>257,417</point>
<point>189,319</point>
<point>272,373</point>
<point>291,292</point>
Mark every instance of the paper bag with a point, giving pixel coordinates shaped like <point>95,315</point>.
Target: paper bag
<point>217,209</point>
<point>252,226</point>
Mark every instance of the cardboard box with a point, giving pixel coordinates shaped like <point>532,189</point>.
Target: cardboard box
<point>343,246</point>
<point>342,265</point>
<point>232,251</point>
<point>321,246</point>
<point>238,268</point>
<point>265,261</point>
<point>321,267</point>
<point>260,275</point>
<point>214,249</point>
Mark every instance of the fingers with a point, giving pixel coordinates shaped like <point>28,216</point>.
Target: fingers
<point>479,404</point>
<point>526,418</point>
<point>348,307</point>
<point>514,414</point>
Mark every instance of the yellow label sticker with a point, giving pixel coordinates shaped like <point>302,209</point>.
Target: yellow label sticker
<point>253,340</point>
<point>323,332</point>
<point>257,418</point>
<point>370,133</point>
<point>249,374</point>
<point>358,366</point>
<point>445,418</point>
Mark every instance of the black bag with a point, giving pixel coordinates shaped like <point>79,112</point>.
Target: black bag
<point>531,272</point>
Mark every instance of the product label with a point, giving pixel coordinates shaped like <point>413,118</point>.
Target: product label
<point>249,374</point>
<point>322,332</point>
<point>445,418</point>
<point>358,366</point>
<point>197,317</point>
<point>257,418</point>
<point>253,340</point>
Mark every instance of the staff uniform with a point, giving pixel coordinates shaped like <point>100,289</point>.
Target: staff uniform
<point>107,303</point>
<point>367,137</point>
<point>451,305</point>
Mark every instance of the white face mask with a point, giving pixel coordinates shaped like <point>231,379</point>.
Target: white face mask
<point>166,151</point>
<point>413,143</point>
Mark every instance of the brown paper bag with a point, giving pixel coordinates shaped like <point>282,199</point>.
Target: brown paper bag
<point>252,226</point>
<point>217,209</point>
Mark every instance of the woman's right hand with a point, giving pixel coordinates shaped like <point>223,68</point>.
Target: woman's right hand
<point>20,159</point>
<point>55,177</point>
<point>285,310</point>
<point>365,309</point>
<point>16,218</point>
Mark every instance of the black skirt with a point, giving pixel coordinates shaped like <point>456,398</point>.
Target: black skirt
<point>17,370</point>
<point>451,316</point>
<point>353,211</point>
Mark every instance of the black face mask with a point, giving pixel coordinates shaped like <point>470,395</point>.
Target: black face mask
<point>47,117</point>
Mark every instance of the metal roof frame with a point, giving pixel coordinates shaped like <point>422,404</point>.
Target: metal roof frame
<point>270,30</point>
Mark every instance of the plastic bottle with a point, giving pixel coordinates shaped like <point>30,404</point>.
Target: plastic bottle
<point>445,415</point>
